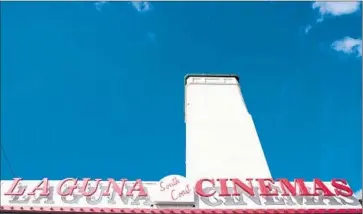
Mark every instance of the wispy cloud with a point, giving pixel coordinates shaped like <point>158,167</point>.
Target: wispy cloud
<point>141,6</point>
<point>307,29</point>
<point>99,4</point>
<point>348,45</point>
<point>335,8</point>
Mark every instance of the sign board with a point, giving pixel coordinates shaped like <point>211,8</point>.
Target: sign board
<point>175,192</point>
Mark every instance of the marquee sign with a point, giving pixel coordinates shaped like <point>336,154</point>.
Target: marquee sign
<point>174,192</point>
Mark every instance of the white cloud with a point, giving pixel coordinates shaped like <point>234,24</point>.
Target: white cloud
<point>336,8</point>
<point>141,6</point>
<point>348,45</point>
<point>358,194</point>
<point>307,29</point>
<point>99,4</point>
<point>319,20</point>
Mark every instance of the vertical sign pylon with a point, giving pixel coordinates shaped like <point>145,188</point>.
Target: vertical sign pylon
<point>221,138</point>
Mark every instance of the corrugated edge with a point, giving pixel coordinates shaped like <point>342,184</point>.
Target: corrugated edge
<point>210,75</point>
<point>27,209</point>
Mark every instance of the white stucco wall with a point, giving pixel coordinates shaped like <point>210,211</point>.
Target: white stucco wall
<point>221,138</point>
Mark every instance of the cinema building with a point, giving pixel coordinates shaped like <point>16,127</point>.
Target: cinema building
<point>218,124</point>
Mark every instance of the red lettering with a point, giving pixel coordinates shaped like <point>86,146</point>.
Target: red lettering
<point>162,188</point>
<point>319,185</point>
<point>137,187</point>
<point>199,188</point>
<point>266,185</point>
<point>341,188</point>
<point>45,188</point>
<point>223,186</point>
<point>117,189</point>
<point>173,183</point>
<point>176,195</point>
<point>243,186</point>
<point>172,195</point>
<point>266,188</point>
<point>285,184</point>
<point>187,189</point>
<point>13,186</point>
<point>85,185</point>
<point>69,190</point>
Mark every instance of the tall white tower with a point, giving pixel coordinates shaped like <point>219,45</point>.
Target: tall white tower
<point>221,138</point>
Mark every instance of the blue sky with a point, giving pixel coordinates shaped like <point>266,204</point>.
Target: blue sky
<point>96,90</point>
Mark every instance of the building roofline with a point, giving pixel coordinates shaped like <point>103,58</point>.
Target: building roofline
<point>210,75</point>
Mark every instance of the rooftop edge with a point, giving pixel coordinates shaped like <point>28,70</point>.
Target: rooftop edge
<point>186,77</point>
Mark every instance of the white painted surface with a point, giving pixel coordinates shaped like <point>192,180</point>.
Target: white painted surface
<point>221,138</point>
<point>172,190</point>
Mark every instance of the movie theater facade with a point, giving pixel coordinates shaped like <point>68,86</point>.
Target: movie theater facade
<point>238,181</point>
